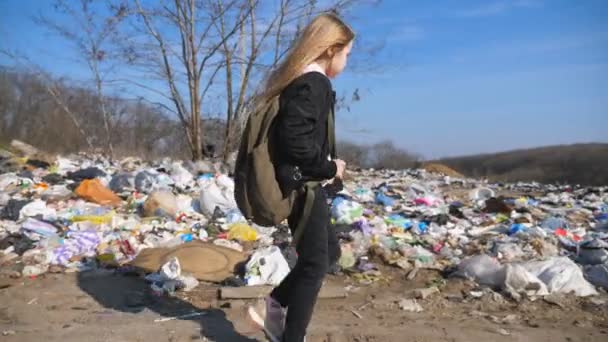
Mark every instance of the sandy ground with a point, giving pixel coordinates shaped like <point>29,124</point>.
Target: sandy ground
<point>102,306</point>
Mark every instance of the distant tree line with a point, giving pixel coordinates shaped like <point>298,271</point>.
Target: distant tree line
<point>382,155</point>
<point>585,164</point>
<point>33,109</point>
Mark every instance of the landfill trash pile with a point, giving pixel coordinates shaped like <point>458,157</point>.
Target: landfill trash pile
<point>81,212</point>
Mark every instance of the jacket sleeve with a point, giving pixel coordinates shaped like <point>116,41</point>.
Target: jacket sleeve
<point>296,130</point>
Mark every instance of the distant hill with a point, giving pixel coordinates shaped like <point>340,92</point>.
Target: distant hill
<point>585,164</point>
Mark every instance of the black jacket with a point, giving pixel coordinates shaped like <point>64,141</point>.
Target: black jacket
<point>300,131</point>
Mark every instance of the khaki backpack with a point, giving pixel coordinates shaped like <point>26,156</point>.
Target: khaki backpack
<point>257,191</point>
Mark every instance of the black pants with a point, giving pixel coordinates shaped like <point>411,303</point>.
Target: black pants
<point>317,249</point>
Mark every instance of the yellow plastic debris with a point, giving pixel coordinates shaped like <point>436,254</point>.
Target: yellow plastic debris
<point>96,219</point>
<point>242,232</point>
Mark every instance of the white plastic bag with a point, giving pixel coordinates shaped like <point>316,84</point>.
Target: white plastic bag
<point>171,278</point>
<point>481,194</point>
<point>218,192</point>
<point>37,207</point>
<point>519,281</point>
<point>483,269</point>
<point>561,275</point>
<point>180,175</point>
<point>266,267</point>
<point>507,251</point>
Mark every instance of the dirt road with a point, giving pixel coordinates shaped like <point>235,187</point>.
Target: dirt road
<point>102,306</point>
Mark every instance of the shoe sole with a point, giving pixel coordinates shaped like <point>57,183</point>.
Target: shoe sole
<point>259,322</point>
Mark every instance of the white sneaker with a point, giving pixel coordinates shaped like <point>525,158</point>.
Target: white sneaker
<point>271,319</point>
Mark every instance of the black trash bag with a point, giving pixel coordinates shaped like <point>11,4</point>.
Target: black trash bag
<point>121,182</point>
<point>12,209</point>
<point>40,164</point>
<point>52,178</point>
<point>26,174</point>
<point>21,243</point>
<point>455,211</point>
<point>88,173</point>
<point>144,182</point>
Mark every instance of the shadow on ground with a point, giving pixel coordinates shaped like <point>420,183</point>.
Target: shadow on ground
<point>133,295</point>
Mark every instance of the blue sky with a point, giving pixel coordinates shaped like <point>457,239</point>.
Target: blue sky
<point>451,78</point>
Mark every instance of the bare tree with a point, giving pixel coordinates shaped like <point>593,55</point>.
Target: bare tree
<point>263,41</point>
<point>53,88</point>
<point>90,30</point>
<point>188,73</point>
<point>31,113</point>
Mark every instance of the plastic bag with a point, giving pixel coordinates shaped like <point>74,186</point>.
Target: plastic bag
<point>96,219</point>
<point>38,207</point>
<point>384,200</point>
<point>597,275</point>
<point>12,209</point>
<point>93,191</point>
<point>160,203</point>
<point>396,220</point>
<point>56,193</point>
<point>428,201</point>
<point>483,269</point>
<point>481,194</point>
<point>180,175</point>
<point>242,232</point>
<point>561,275</point>
<point>266,267</point>
<point>4,199</point>
<point>345,211</point>
<point>593,252</point>
<point>76,244</point>
<point>64,165</point>
<point>145,182</point>
<point>235,216</point>
<point>553,223</point>
<point>35,229</point>
<point>217,192</point>
<point>507,251</point>
<point>363,195</point>
<point>519,281</point>
<point>184,203</point>
<point>121,182</point>
<point>34,270</point>
<point>170,278</point>
<point>347,258</point>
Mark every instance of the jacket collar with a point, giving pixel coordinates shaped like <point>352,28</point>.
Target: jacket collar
<point>314,66</point>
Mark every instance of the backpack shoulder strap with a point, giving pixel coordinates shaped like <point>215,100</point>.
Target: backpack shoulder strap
<point>309,200</point>
<point>331,133</point>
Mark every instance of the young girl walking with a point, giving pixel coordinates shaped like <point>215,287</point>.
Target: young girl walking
<point>303,153</point>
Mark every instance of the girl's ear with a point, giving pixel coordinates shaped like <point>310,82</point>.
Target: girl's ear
<point>331,52</point>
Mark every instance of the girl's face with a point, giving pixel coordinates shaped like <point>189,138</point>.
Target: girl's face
<point>338,62</point>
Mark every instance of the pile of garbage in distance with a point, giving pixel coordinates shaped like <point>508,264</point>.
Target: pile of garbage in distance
<point>82,212</point>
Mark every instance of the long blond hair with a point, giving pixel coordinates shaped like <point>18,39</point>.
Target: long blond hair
<point>325,34</point>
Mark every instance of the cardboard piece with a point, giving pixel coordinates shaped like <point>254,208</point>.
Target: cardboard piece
<point>204,261</point>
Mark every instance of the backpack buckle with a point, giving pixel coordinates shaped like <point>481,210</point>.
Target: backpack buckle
<point>297,175</point>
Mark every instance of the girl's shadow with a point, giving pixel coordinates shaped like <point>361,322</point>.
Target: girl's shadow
<point>132,294</point>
